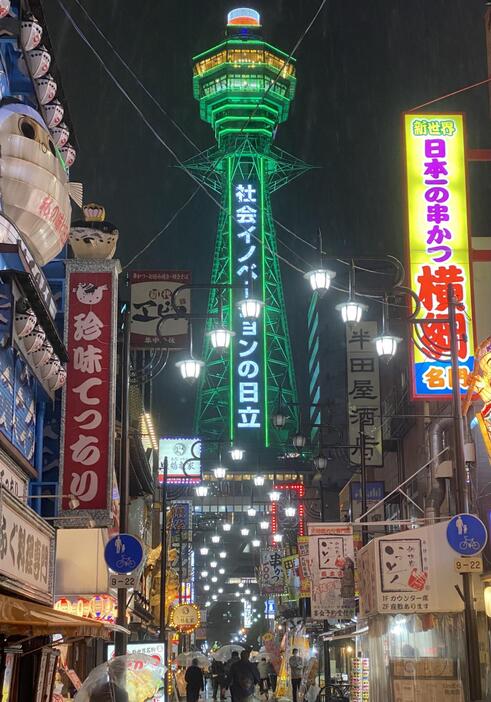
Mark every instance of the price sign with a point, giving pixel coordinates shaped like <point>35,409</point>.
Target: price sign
<point>123,581</point>
<point>469,565</point>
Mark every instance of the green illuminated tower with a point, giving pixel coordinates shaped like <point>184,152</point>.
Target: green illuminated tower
<point>244,87</point>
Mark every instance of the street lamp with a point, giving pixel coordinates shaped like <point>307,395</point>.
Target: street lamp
<point>223,554</point>
<point>250,308</point>
<point>219,472</point>
<point>190,368</point>
<point>204,550</point>
<point>274,496</point>
<point>264,525</point>
<point>221,571</point>
<point>226,526</point>
<point>220,338</point>
<point>299,440</point>
<point>251,512</point>
<point>259,480</point>
<point>237,454</point>
<point>351,311</point>
<point>206,587</point>
<point>244,531</point>
<point>215,539</point>
<point>320,279</point>
<point>320,462</point>
<point>201,490</point>
<point>214,579</point>
<point>290,511</point>
<point>255,543</point>
<point>204,573</point>
<point>277,538</point>
<point>279,419</point>
<point>386,343</point>
<point>213,564</point>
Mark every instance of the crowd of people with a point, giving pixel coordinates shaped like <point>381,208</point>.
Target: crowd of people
<point>242,677</point>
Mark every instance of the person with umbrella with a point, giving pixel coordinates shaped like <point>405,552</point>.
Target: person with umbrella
<point>244,678</point>
<point>218,678</point>
<point>194,681</point>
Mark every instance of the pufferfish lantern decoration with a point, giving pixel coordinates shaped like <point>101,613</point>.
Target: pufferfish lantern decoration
<point>480,383</point>
<point>94,237</point>
<point>34,185</point>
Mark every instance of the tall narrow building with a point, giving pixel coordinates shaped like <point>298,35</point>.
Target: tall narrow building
<point>245,86</point>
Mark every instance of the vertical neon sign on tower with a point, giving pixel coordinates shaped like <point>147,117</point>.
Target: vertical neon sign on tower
<point>438,248</point>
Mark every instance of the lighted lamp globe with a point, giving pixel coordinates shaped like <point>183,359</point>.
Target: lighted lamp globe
<point>214,579</point>
<point>320,462</point>
<point>299,440</point>
<point>206,588</point>
<point>190,368</point>
<point>204,550</point>
<point>213,564</point>
<point>259,480</point>
<point>244,531</point>
<point>220,590</point>
<point>201,491</point>
<point>223,554</point>
<point>221,338</point>
<point>219,472</point>
<point>204,573</point>
<point>277,538</point>
<point>274,496</point>
<point>279,420</point>
<point>215,539</point>
<point>351,311</point>
<point>221,571</point>
<point>255,543</point>
<point>290,511</point>
<point>226,526</point>
<point>237,454</point>
<point>214,597</point>
<point>207,603</point>
<point>320,279</point>
<point>250,308</point>
<point>386,346</point>
<point>251,512</point>
<point>264,525</point>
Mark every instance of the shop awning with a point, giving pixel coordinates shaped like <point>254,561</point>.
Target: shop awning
<point>19,617</point>
<point>333,637</point>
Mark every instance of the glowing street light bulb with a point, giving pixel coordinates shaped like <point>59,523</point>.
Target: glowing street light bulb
<point>221,571</point>
<point>247,592</point>
<point>190,368</point>
<point>251,512</point>
<point>254,598</point>
<point>290,511</point>
<point>220,590</point>
<point>277,538</point>
<point>201,491</point>
<point>204,573</point>
<point>215,538</point>
<point>237,594</point>
<point>250,308</point>
<point>264,525</point>
<point>241,584</point>
<point>214,579</point>
<point>207,603</point>
<point>274,496</point>
<point>220,338</point>
<point>244,531</point>
<point>226,526</point>
<point>256,543</point>
<point>223,554</point>
<point>259,480</point>
<point>206,588</point>
<point>214,597</point>
<point>213,564</point>
<point>237,454</point>
<point>204,550</point>
<point>320,279</point>
<point>219,472</point>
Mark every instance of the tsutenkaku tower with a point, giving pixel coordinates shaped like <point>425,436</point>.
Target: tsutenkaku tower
<point>244,87</point>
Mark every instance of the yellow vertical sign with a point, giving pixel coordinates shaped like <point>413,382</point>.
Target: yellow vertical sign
<point>438,248</point>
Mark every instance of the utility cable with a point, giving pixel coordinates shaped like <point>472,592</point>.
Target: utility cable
<point>135,76</point>
<point>454,92</point>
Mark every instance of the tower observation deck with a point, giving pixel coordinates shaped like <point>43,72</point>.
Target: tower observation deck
<point>244,87</point>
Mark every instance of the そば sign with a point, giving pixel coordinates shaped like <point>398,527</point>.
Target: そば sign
<point>438,246</point>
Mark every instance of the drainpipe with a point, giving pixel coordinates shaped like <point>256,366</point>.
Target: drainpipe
<point>435,489</point>
<point>38,457</point>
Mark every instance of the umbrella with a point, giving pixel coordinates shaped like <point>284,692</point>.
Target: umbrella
<point>257,655</point>
<point>186,659</point>
<point>225,652</point>
<point>131,678</point>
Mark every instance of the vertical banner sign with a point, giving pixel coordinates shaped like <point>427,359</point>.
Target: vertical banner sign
<point>271,577</point>
<point>247,370</point>
<point>151,297</point>
<point>332,563</point>
<point>438,248</point>
<point>87,437</point>
<point>364,412</point>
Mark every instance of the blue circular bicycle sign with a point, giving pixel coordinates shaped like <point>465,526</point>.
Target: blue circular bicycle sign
<point>467,534</point>
<point>123,553</point>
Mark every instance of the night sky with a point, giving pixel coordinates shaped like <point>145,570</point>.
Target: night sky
<point>360,66</point>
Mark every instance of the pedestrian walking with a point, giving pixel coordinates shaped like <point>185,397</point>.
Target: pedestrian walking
<point>263,670</point>
<point>272,676</point>
<point>228,670</point>
<point>194,681</point>
<point>296,669</point>
<point>218,678</point>
<point>244,678</point>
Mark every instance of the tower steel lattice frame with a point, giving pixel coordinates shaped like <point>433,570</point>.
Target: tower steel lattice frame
<point>244,100</point>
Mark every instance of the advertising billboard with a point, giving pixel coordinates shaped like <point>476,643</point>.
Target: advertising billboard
<point>438,249</point>
<point>183,459</point>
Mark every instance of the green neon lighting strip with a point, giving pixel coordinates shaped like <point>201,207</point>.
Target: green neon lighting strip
<point>231,371</point>
<point>263,284</point>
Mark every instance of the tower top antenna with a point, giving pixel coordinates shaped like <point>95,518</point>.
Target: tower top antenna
<point>243,17</point>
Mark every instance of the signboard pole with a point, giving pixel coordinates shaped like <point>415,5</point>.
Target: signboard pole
<point>121,639</point>
<point>462,500</point>
<point>363,480</point>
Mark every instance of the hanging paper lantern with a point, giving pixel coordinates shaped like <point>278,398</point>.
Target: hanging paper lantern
<point>4,8</point>
<point>31,33</point>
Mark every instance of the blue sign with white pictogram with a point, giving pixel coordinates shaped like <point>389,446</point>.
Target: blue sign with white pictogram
<point>123,553</point>
<point>467,534</point>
